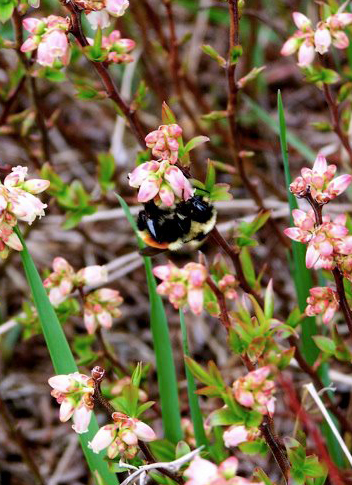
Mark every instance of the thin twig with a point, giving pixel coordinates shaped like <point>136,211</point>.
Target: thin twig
<point>104,75</point>
<point>224,317</point>
<point>335,118</point>
<point>150,459</point>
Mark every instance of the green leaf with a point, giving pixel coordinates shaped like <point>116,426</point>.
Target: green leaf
<point>163,350</point>
<point>321,75</point>
<point>210,51</point>
<point>263,477</point>
<point>6,10</point>
<point>61,355</point>
<point>194,142</point>
<point>312,467</point>
<point>198,372</point>
<point>106,171</point>
<point>254,447</point>
<point>196,414</point>
<point>214,116</point>
<point>326,344</point>
<point>210,177</point>
<point>224,417</point>
<point>167,115</point>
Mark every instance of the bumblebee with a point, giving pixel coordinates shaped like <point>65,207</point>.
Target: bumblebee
<point>170,228</point>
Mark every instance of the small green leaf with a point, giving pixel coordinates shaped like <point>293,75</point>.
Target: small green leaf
<point>327,345</point>
<point>210,177</point>
<point>196,141</point>
<point>208,49</point>
<point>214,116</point>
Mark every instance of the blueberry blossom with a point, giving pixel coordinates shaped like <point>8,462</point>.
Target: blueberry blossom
<point>121,437</point>
<point>117,48</point>
<point>49,37</point>
<point>183,285</point>
<point>74,392</point>
<point>100,308</point>
<point>163,142</point>
<point>161,181</point>
<point>98,15</point>
<point>307,40</point>
<point>326,242</point>
<point>319,182</point>
<point>204,472</point>
<point>322,300</point>
<point>256,391</point>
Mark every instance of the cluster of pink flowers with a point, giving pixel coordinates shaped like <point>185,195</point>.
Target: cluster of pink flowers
<point>319,183</point>
<point>121,437</point>
<point>63,280</point>
<point>256,391</point>
<point>160,180</point>
<point>307,40</point>
<point>98,13</point>
<point>204,472</point>
<point>18,203</point>
<point>100,308</point>
<point>74,392</point>
<point>235,435</point>
<point>322,300</point>
<point>227,285</point>
<point>183,285</point>
<point>49,37</point>
<point>327,243</point>
<point>118,48</point>
<point>163,142</point>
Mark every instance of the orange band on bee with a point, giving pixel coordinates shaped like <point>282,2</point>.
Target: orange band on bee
<point>150,242</point>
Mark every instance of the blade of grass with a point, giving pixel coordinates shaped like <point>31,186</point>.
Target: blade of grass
<point>196,415</point>
<point>61,357</point>
<point>272,123</point>
<point>167,382</point>
<point>303,282</point>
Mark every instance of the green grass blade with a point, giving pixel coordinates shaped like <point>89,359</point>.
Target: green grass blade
<point>196,415</point>
<point>303,282</point>
<point>301,275</point>
<point>272,123</point>
<point>170,408</point>
<point>61,356</point>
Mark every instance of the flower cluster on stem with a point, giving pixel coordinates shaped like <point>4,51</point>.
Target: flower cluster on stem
<point>322,300</point>
<point>118,49</point>
<point>49,36</point>
<point>121,437</point>
<point>183,285</point>
<point>74,392</point>
<point>204,472</point>
<point>307,40</point>
<point>256,391</point>
<point>18,202</point>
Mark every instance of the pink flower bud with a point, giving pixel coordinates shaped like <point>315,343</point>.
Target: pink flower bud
<point>179,183</point>
<point>66,409</point>
<point>35,186</point>
<point>29,45</point>
<point>116,7</point>
<point>140,173</point>
<point>343,18</point>
<point>81,419</point>
<point>129,437</point>
<point>163,272</point>
<point>166,194</point>
<point>143,431</point>
<point>195,300</point>
<point>92,275</point>
<point>312,256</point>
<point>104,319</point>
<point>149,189</point>
<point>13,241</point>
<point>126,44</point>
<point>340,40</point>
<point>339,185</point>
<point>201,472</point>
<point>103,438</point>
<point>44,55</point>
<point>322,40</point>
<point>62,383</point>
<point>306,54</point>
<point>61,265</point>
<point>302,22</point>
<point>290,46</point>
<point>98,19</point>
<point>234,436</point>
<point>228,468</point>
<point>33,25</point>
